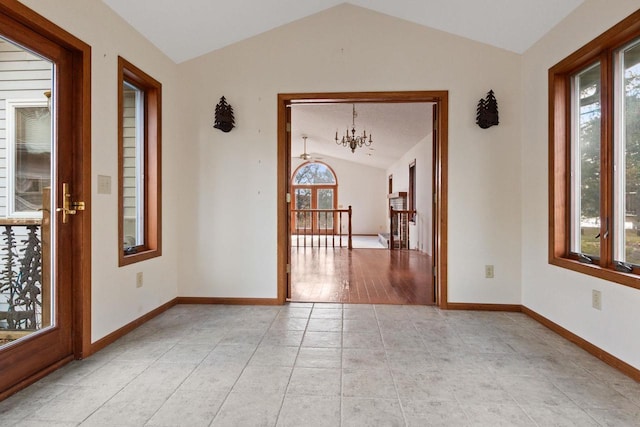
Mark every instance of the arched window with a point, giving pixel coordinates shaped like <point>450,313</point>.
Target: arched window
<point>314,188</point>
<point>315,173</point>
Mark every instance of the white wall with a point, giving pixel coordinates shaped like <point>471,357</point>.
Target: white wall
<point>361,187</point>
<point>420,234</point>
<point>115,299</point>
<point>561,295</point>
<point>224,185</point>
<point>229,246</point>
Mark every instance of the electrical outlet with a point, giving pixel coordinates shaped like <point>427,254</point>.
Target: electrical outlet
<point>488,271</point>
<point>596,299</point>
<point>139,279</point>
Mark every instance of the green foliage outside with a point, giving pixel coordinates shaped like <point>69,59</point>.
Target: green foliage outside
<point>591,244</point>
<point>314,173</point>
<point>590,134</point>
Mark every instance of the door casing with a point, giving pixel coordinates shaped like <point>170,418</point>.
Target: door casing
<point>440,174</point>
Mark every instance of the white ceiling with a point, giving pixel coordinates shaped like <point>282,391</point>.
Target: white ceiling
<point>189,28</point>
<point>395,128</point>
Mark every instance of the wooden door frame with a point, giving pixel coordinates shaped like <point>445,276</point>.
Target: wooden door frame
<point>81,185</point>
<point>440,173</point>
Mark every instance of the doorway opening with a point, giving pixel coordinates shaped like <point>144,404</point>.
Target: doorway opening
<point>434,194</point>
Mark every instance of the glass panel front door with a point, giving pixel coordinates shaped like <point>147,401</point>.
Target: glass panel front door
<point>39,136</point>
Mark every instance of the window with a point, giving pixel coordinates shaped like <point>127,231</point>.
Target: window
<point>594,128</point>
<point>314,186</point>
<point>29,156</point>
<point>139,164</point>
<point>314,173</point>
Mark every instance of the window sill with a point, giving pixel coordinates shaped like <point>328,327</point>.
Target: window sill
<point>594,270</point>
<point>141,255</point>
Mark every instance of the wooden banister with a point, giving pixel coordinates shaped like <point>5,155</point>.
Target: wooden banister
<point>312,231</point>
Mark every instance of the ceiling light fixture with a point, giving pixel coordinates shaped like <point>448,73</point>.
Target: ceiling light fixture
<point>305,155</point>
<point>352,141</point>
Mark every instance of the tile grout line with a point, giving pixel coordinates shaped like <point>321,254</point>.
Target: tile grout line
<point>393,378</point>
<point>182,382</point>
<point>241,372</point>
<point>294,363</point>
<point>124,386</point>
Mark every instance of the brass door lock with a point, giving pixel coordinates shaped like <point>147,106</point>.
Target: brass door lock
<point>68,207</point>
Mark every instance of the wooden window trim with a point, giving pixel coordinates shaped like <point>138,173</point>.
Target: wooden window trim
<point>600,49</point>
<point>411,194</point>
<point>152,247</point>
<point>390,188</point>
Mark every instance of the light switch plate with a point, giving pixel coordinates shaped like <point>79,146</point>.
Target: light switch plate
<point>104,184</point>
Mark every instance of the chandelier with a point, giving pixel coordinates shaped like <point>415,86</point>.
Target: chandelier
<point>352,141</point>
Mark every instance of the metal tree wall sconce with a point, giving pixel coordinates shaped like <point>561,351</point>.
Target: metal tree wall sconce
<point>487,113</point>
<point>224,119</point>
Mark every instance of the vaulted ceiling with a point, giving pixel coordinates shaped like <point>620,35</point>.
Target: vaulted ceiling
<point>186,29</point>
<point>190,28</point>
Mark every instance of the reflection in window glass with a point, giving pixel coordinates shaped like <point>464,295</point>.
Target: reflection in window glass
<point>133,172</point>
<point>32,155</point>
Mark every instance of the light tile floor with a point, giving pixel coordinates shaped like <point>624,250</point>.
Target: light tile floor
<point>332,365</point>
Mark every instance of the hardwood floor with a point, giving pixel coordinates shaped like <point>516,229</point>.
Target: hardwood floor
<point>371,276</point>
